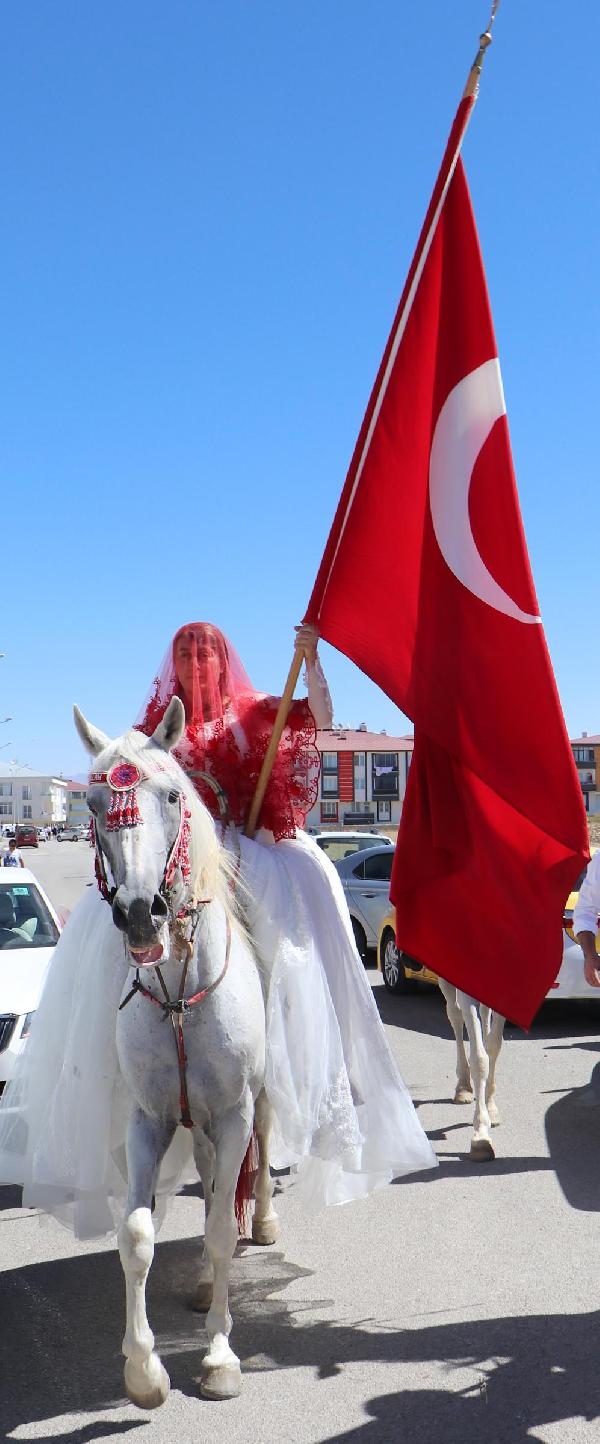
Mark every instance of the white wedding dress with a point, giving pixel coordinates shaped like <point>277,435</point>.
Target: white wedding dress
<point>343,1114</point>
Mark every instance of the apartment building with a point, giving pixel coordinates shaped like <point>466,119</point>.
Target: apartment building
<point>363,779</point>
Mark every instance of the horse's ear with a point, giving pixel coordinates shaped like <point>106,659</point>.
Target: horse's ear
<point>93,739</point>
<point>171,726</point>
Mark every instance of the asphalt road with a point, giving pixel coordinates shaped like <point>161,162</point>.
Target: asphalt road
<point>455,1306</point>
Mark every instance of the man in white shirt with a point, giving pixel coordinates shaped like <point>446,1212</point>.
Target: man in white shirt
<point>585,921</point>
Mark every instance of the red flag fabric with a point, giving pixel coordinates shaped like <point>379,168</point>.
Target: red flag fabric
<point>493,830</point>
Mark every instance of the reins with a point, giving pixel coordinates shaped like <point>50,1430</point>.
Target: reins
<point>123,779</point>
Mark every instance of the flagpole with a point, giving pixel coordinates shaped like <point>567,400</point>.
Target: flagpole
<point>271,752</point>
<point>470,94</point>
<point>472,85</point>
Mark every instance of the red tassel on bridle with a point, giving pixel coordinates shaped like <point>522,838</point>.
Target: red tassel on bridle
<point>123,811</point>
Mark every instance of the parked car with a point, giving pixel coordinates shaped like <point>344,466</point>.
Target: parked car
<point>68,834</point>
<point>344,844</point>
<point>398,969</point>
<point>365,878</point>
<point>29,931</point>
<point>26,836</point>
<point>42,834</point>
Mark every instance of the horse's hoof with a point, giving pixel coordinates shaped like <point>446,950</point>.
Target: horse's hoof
<point>223,1381</point>
<point>265,1230</point>
<point>482,1150</point>
<point>147,1388</point>
<point>463,1095</point>
<point>202,1299</point>
<point>495,1118</point>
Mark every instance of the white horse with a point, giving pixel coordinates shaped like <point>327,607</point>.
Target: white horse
<point>190,1028</point>
<point>476,1075</point>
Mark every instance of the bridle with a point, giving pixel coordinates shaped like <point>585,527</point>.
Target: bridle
<point>123,779</point>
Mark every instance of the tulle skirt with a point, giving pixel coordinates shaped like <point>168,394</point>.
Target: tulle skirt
<point>342,1113</point>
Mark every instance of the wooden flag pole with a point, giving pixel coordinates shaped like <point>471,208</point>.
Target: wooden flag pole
<point>270,754</point>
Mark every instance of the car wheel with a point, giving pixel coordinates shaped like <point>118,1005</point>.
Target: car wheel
<point>360,939</point>
<point>394,976</point>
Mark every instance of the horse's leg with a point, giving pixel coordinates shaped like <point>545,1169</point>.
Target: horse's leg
<point>221,1374</point>
<point>481,1143</point>
<point>464,1091</point>
<point>265,1223</point>
<point>204,1155</point>
<point>493,1045</point>
<point>146,1380</point>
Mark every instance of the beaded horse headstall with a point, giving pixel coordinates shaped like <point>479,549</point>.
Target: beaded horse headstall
<point>123,779</point>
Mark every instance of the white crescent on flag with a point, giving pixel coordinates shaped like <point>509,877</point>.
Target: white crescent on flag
<point>463,426</point>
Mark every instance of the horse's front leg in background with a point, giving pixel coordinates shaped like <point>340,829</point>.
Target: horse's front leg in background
<point>481,1144</point>
<point>146,1380</point>
<point>265,1223</point>
<point>493,1032</point>
<point>221,1374</point>
<point>464,1090</point>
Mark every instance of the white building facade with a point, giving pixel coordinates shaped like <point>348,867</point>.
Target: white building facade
<point>28,796</point>
<point>78,812</point>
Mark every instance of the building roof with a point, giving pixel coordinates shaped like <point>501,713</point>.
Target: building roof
<point>27,774</point>
<point>346,739</point>
<point>590,740</point>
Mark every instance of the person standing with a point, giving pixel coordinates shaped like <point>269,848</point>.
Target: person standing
<point>12,858</point>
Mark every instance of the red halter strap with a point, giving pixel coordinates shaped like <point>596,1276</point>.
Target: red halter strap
<point>176,1009</point>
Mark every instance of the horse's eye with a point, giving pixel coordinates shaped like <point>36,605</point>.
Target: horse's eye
<point>173,796</point>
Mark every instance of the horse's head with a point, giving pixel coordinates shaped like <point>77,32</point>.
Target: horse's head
<point>152,832</point>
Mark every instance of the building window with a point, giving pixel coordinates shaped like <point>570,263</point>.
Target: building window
<point>329,812</point>
<point>26,792</point>
<point>384,774</point>
<point>26,811</point>
<point>329,774</point>
<point>384,811</point>
<point>5,789</point>
<point>5,809</point>
<point>583,754</point>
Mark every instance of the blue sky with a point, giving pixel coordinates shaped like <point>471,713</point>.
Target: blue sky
<point>208,216</point>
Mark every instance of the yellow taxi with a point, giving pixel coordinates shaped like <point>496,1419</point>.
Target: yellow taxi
<point>399,970</point>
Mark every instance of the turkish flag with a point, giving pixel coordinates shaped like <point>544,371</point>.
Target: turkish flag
<point>493,830</point>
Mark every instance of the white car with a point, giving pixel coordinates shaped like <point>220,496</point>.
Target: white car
<point>29,931</point>
<point>342,844</point>
<point>68,834</point>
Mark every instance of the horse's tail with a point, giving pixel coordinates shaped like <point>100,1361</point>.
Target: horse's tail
<point>245,1186</point>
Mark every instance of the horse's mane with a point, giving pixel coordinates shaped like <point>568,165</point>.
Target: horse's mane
<point>213,872</point>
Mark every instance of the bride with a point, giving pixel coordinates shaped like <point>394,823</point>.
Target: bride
<point>343,1115</point>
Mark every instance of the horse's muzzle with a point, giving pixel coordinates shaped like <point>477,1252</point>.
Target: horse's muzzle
<point>141,923</point>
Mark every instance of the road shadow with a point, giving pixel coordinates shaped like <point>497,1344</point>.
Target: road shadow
<point>572,1125</point>
<point>500,1378</point>
<point>521,1376</point>
<point>61,1327</point>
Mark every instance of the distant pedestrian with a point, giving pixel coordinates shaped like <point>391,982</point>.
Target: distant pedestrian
<point>12,858</point>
